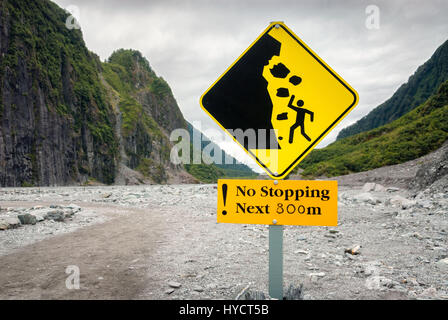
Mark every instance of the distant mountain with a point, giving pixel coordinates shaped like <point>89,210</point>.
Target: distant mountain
<point>229,166</point>
<point>420,86</point>
<point>413,135</point>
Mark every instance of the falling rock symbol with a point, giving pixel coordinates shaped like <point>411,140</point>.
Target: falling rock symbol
<point>295,80</point>
<point>282,92</point>
<point>279,71</point>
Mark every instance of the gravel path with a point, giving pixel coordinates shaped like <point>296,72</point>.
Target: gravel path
<point>163,242</point>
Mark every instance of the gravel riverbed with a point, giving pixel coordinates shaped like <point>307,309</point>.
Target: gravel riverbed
<point>163,242</point>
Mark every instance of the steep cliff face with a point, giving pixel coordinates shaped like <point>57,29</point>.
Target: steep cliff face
<point>56,124</point>
<point>147,113</point>
<point>63,122</point>
<point>67,118</point>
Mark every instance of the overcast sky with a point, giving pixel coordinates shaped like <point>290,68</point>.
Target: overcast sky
<point>191,43</point>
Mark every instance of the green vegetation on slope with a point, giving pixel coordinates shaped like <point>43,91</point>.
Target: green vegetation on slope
<point>210,173</point>
<point>128,72</point>
<point>415,134</point>
<point>67,73</point>
<point>204,172</point>
<point>133,114</point>
<point>420,86</point>
<point>160,87</point>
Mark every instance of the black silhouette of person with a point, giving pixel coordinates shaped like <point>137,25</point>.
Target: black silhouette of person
<point>300,119</point>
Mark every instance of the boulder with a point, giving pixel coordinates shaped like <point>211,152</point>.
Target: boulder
<point>75,208</point>
<point>379,188</point>
<point>369,186</point>
<point>56,215</point>
<point>41,213</point>
<point>366,197</point>
<point>9,223</point>
<point>198,289</point>
<point>27,218</point>
<point>68,213</point>
<point>39,217</point>
<point>399,201</point>
<point>443,264</point>
<point>174,284</point>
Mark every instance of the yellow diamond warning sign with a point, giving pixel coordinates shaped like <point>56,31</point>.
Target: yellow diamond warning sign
<point>278,100</point>
<point>284,202</point>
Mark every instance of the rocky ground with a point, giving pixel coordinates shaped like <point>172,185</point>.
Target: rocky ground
<point>163,242</point>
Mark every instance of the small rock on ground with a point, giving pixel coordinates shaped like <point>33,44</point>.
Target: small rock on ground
<point>174,284</point>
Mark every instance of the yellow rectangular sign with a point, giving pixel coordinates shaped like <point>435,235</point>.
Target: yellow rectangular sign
<point>282,202</point>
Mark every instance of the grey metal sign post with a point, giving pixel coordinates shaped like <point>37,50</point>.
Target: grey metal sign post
<point>276,262</point>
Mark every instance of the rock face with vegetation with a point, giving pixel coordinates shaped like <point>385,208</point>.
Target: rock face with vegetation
<point>420,86</point>
<point>146,113</point>
<point>413,135</point>
<point>68,118</point>
<point>56,123</point>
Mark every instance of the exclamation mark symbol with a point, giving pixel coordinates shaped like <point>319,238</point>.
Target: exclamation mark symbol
<point>224,197</point>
